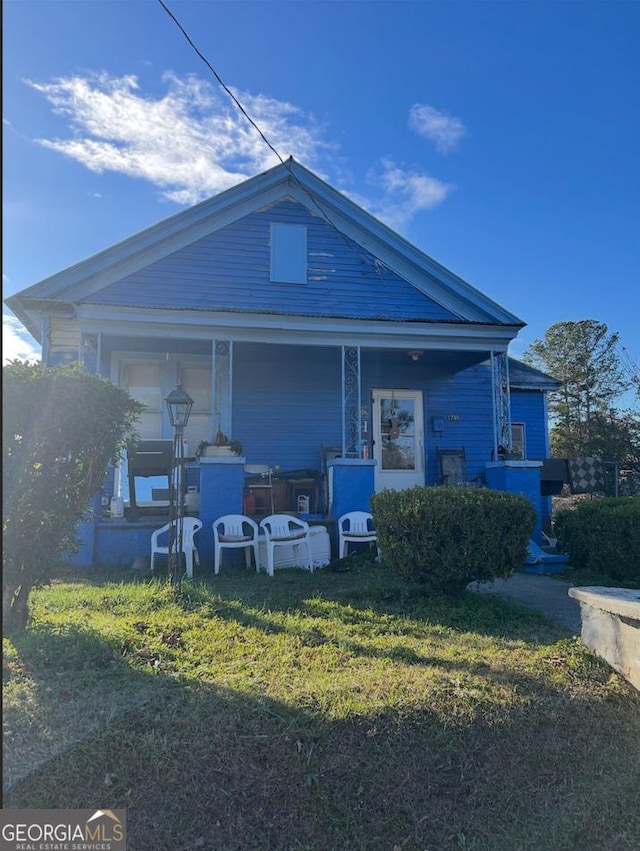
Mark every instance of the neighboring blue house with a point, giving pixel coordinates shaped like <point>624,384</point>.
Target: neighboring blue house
<point>337,353</point>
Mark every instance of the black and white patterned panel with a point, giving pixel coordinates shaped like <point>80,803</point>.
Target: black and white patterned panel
<point>586,475</point>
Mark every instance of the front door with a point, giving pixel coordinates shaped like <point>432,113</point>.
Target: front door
<point>398,439</point>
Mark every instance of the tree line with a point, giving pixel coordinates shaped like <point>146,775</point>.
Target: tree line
<point>593,372</point>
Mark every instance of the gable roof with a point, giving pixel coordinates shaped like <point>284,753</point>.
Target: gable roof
<point>228,271</point>
<point>289,180</point>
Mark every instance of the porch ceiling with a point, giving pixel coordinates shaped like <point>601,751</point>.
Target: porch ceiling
<point>438,361</point>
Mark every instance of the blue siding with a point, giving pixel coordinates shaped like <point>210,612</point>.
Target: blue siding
<point>230,270</point>
<point>286,403</point>
<point>528,408</point>
<point>466,394</point>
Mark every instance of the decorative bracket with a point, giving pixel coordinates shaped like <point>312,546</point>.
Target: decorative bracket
<point>501,403</point>
<point>351,402</point>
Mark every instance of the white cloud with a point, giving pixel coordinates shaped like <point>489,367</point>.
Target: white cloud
<point>407,193</point>
<point>192,142</point>
<point>17,343</point>
<point>443,129</point>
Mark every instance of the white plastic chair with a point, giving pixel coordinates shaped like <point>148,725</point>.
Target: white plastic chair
<point>355,527</point>
<point>190,526</point>
<point>285,530</point>
<point>235,531</point>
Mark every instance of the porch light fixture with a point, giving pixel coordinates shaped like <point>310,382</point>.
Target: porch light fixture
<point>415,354</point>
<point>179,405</point>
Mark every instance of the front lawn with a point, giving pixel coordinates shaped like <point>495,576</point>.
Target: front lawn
<point>327,711</point>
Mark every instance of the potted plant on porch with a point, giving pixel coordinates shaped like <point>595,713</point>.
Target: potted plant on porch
<point>221,446</point>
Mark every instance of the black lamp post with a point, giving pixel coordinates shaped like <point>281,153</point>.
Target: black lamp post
<point>179,405</point>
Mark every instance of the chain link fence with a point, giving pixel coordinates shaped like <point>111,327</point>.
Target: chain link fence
<point>621,479</point>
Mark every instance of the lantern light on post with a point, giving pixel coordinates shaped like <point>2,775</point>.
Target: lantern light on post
<point>179,405</point>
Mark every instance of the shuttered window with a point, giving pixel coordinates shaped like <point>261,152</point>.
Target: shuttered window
<point>289,254</point>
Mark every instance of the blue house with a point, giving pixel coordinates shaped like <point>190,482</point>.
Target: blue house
<point>337,353</point>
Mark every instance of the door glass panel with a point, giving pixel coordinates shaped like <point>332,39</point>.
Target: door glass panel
<point>397,430</point>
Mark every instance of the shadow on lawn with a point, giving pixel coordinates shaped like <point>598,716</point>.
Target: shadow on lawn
<point>366,593</point>
<point>62,685</point>
<point>200,766</point>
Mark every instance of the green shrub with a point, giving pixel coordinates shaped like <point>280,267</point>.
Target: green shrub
<point>603,535</point>
<point>447,537</point>
<point>60,428</point>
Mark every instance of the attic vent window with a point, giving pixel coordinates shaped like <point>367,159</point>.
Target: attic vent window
<point>289,254</point>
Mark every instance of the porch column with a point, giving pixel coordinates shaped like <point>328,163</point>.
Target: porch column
<point>501,403</point>
<point>351,485</point>
<point>351,402</point>
<point>520,477</point>
<point>221,491</point>
<point>221,374</point>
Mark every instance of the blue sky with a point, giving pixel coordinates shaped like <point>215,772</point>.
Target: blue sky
<point>501,138</point>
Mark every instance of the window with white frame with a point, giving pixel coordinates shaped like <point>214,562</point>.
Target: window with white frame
<point>149,378</point>
<point>288,254</point>
<point>518,442</point>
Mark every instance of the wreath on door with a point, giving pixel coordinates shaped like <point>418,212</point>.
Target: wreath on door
<point>394,423</point>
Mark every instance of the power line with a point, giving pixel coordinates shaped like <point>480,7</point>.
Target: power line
<point>219,79</point>
<point>376,263</point>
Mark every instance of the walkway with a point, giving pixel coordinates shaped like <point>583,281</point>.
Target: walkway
<point>537,592</point>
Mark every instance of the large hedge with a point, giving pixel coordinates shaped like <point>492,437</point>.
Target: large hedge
<point>447,537</point>
<point>60,427</point>
<point>603,535</point>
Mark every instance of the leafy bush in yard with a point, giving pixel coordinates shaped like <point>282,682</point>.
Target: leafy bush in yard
<point>603,535</point>
<point>60,428</point>
<point>450,536</point>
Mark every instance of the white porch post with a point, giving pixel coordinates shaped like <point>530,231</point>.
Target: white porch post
<point>222,379</point>
<point>501,402</point>
<point>351,402</point>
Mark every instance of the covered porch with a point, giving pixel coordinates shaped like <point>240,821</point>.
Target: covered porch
<point>332,422</point>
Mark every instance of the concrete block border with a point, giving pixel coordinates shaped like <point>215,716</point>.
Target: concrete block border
<point>611,626</point>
